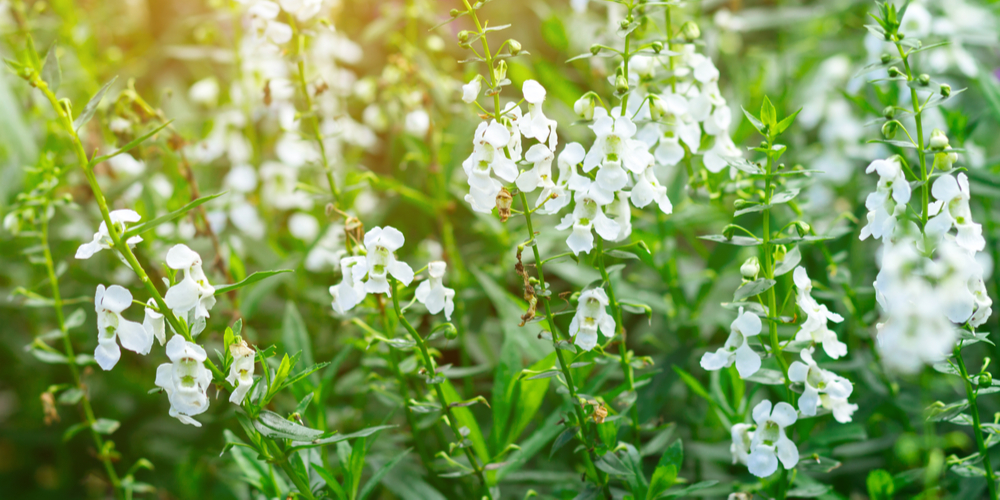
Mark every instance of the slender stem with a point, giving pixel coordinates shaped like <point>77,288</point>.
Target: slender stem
<point>971,394</point>
<point>917,112</point>
<point>301,485</point>
<point>88,411</point>
<point>772,313</point>
<point>431,371</point>
<point>625,356</point>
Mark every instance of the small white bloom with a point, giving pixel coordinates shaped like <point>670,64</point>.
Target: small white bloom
<point>821,387</point>
<point>205,92</point>
<point>470,91</point>
<point>153,322</point>
<point>770,443</point>
<point>815,326</point>
<point>241,371</point>
<point>109,304</point>
<point>648,189</point>
<point>488,157</point>
<point>380,243</point>
<point>737,347</point>
<point>193,293</point>
<point>541,172</point>
<point>621,212</point>
<point>591,315</point>
<point>535,124</point>
<point>588,215</point>
<point>303,10</point>
<point>185,380</point>
<point>433,294</point>
<point>102,238</point>
<point>742,437</point>
<point>615,148</point>
<point>351,290</point>
<point>303,226</point>
<point>888,201</point>
<point>955,212</point>
<point>417,123</point>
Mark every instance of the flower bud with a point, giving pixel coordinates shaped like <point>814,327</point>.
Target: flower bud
<point>657,107</point>
<point>354,229</point>
<point>595,49</point>
<point>450,333</point>
<point>763,145</point>
<point>515,47</point>
<point>750,268</point>
<point>501,70</point>
<point>454,12</point>
<point>985,379</point>
<point>690,31</point>
<point>729,231</point>
<point>584,106</point>
<point>886,58</point>
<point>739,203</point>
<point>463,36</point>
<point>621,84</point>
<point>924,79</point>
<point>623,24</point>
<point>889,129</point>
<point>779,253</point>
<point>657,46</point>
<point>889,112</point>
<point>802,228</point>
<point>938,139</point>
<point>945,90</point>
<point>504,202</point>
<point>944,161</point>
<point>894,72</point>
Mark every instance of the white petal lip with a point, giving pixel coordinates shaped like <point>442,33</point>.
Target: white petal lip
<point>533,91</point>
<point>180,256</point>
<point>115,299</point>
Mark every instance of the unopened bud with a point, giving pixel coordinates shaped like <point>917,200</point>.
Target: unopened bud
<point>985,379</point>
<point>894,72</point>
<point>750,268</point>
<point>924,79</point>
<point>595,49</point>
<point>657,107</point>
<point>657,46</point>
<point>501,70</point>
<point>945,90</point>
<point>621,84</point>
<point>454,12</point>
<point>515,47</point>
<point>889,112</point>
<point>889,129</point>
<point>802,228</point>
<point>739,203</point>
<point>504,202</point>
<point>690,31</point>
<point>944,161</point>
<point>939,140</point>
<point>584,106</point>
<point>886,58</point>
<point>450,333</point>
<point>623,24</point>
<point>463,36</point>
<point>729,231</point>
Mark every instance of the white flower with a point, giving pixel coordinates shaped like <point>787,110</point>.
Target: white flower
<point>954,212</point>
<point>742,437</point>
<point>241,371</point>
<point>380,243</point>
<point>433,294</point>
<point>614,149</point>
<point>126,164</point>
<point>821,387</point>
<point>193,292</point>
<point>584,107</point>
<point>303,226</point>
<point>770,443</point>
<point>102,238</point>
<point>888,201</point>
<point>417,122</point>
<point>205,92</point>
<point>488,157</point>
<point>541,158</point>
<point>737,347</point>
<point>328,251</point>
<point>717,158</point>
<point>815,326</point>
<point>621,212</point>
<point>303,10</point>
<point>588,215</point>
<point>535,124</point>
<point>351,289</point>
<point>263,20</point>
<point>185,380</point>
<point>470,91</point>
<point>153,322</point>
<point>648,189</point>
<point>109,304</point>
<point>591,315</point>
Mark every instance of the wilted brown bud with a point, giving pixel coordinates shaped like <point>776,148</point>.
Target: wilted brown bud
<point>49,407</point>
<point>504,202</point>
<point>600,413</point>
<point>354,228</point>
<point>241,349</point>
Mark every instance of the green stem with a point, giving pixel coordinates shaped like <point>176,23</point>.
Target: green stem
<point>971,393</point>
<point>773,313</point>
<point>917,112</point>
<point>431,372</point>
<point>88,411</point>
<point>301,485</point>
<point>625,356</point>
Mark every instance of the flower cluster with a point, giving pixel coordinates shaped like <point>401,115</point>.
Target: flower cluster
<point>760,447</point>
<point>737,347</point>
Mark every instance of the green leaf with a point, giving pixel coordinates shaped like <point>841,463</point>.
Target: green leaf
<point>337,438</point>
<point>465,418</point>
<point>330,481</point>
<point>379,474</point>
<point>275,426</point>
<point>71,396</point>
<point>791,259</point>
<point>176,214</point>
<point>768,115</point>
<point>880,485</point>
<point>752,288</point>
<point>564,437</point>
<point>51,72</point>
<point>294,335</point>
<point>753,120</point>
<point>76,319</point>
<point>106,426</point>
<point>693,383</point>
<point>249,280</point>
<point>666,471</point>
<point>74,430</point>
<point>91,107</point>
<point>131,145</point>
<point>784,124</point>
